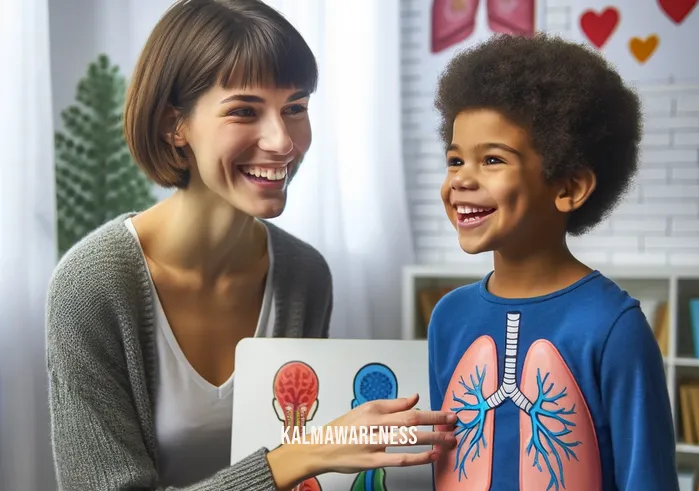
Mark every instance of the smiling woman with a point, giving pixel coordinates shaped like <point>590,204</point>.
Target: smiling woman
<point>242,80</point>
<point>267,176</point>
<point>144,314</point>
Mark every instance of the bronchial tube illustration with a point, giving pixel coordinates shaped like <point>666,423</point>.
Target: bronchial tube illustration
<point>558,446</point>
<point>509,389</point>
<point>372,382</point>
<point>295,402</point>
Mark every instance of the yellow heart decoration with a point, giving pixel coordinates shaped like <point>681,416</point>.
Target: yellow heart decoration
<point>642,49</point>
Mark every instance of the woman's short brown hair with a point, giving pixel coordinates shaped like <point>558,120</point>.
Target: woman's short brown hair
<point>196,44</point>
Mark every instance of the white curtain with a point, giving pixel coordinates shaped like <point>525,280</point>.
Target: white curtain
<point>27,244</point>
<point>349,199</point>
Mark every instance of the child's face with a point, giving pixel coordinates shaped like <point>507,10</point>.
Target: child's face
<point>494,192</point>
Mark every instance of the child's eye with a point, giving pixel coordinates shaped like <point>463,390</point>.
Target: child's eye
<point>242,112</point>
<point>454,161</point>
<point>493,160</point>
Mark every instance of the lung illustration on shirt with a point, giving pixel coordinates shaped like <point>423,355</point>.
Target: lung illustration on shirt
<point>372,382</point>
<point>295,402</point>
<point>557,445</point>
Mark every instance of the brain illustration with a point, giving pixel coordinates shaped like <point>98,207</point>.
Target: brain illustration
<point>309,485</point>
<point>296,389</point>
<point>375,381</point>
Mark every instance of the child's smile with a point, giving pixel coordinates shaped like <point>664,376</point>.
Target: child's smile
<point>470,215</point>
<point>494,192</point>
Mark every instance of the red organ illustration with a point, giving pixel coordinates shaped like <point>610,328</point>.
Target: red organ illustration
<point>295,402</point>
<point>295,393</point>
<point>558,445</point>
<point>308,485</point>
<point>515,17</point>
<point>453,21</point>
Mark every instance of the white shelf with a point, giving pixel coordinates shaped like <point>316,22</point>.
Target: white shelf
<point>687,449</point>
<point>674,285</point>
<point>686,362</point>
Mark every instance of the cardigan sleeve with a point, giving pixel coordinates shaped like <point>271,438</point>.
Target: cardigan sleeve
<point>303,287</point>
<point>322,290</point>
<point>97,436</point>
<point>327,303</point>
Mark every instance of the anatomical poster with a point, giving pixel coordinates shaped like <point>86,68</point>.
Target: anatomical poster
<point>444,27</point>
<point>294,383</point>
<point>648,41</point>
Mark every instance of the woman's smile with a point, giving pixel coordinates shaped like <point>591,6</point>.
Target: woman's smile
<point>266,176</point>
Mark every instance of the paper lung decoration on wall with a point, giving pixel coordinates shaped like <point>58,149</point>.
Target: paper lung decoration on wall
<point>454,21</point>
<point>515,17</point>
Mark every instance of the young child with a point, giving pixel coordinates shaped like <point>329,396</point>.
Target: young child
<point>553,370</point>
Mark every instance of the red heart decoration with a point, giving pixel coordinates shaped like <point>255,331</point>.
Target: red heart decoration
<point>599,27</point>
<point>677,10</point>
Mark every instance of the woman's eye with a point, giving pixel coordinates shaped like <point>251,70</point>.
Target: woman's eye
<point>454,161</point>
<point>296,109</point>
<point>492,161</point>
<point>243,112</point>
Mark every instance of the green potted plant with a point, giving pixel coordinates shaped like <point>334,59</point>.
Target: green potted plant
<point>96,177</point>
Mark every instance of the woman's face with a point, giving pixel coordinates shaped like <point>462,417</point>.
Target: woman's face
<point>246,145</point>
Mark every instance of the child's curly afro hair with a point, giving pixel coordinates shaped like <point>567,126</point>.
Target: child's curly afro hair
<point>576,108</point>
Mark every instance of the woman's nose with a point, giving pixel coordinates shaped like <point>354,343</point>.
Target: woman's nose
<point>275,138</point>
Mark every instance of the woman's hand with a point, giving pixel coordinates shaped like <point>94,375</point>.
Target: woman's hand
<point>292,463</point>
<point>348,458</point>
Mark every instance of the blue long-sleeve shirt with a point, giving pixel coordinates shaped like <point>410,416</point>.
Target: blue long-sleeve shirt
<point>598,333</point>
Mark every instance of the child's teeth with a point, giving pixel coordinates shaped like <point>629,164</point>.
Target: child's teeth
<point>465,210</point>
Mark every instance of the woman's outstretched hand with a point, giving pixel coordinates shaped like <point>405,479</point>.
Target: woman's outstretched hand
<point>355,457</point>
<point>292,463</point>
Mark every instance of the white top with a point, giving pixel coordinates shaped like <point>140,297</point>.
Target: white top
<point>193,417</point>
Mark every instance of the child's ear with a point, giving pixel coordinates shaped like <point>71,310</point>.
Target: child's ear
<point>172,129</point>
<point>575,190</point>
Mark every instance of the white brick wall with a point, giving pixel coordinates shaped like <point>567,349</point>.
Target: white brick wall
<point>658,224</point>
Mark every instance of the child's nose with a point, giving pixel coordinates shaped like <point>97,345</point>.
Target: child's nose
<point>464,180</point>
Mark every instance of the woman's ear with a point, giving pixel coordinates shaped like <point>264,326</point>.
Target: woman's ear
<point>172,128</point>
<point>575,190</point>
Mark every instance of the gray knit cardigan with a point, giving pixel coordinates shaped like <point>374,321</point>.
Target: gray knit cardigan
<point>101,359</point>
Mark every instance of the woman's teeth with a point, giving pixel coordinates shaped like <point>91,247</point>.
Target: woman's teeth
<point>271,174</point>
